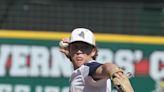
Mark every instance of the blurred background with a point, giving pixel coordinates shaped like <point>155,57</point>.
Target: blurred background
<point>128,32</point>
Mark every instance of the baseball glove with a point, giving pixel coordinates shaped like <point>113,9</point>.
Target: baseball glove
<point>121,83</point>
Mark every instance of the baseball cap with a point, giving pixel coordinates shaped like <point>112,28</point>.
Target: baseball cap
<point>84,35</point>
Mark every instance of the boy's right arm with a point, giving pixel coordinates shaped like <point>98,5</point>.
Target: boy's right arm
<point>63,44</point>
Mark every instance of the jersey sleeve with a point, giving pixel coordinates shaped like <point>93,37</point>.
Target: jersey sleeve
<point>92,67</point>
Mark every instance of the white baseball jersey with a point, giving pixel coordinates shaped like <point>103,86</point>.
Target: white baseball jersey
<point>81,80</point>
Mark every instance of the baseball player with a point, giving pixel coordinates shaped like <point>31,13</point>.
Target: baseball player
<point>89,75</point>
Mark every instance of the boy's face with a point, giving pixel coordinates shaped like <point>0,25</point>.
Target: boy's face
<point>81,53</point>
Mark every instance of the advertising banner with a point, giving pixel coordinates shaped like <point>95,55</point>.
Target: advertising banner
<point>30,61</point>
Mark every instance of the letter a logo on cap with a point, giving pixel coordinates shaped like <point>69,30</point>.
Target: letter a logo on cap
<point>82,34</point>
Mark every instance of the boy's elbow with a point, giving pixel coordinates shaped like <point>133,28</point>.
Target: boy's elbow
<point>108,67</point>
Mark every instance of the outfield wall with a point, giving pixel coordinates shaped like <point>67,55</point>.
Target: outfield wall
<point>30,61</point>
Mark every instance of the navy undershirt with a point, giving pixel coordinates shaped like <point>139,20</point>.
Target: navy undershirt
<point>92,67</point>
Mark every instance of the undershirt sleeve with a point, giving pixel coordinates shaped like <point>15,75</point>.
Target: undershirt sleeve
<point>92,67</point>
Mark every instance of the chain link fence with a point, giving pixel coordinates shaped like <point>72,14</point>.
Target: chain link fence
<point>101,16</point>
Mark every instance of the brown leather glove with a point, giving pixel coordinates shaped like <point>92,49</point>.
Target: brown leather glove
<point>121,83</point>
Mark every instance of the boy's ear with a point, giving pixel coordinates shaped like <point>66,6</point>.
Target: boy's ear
<point>93,52</point>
